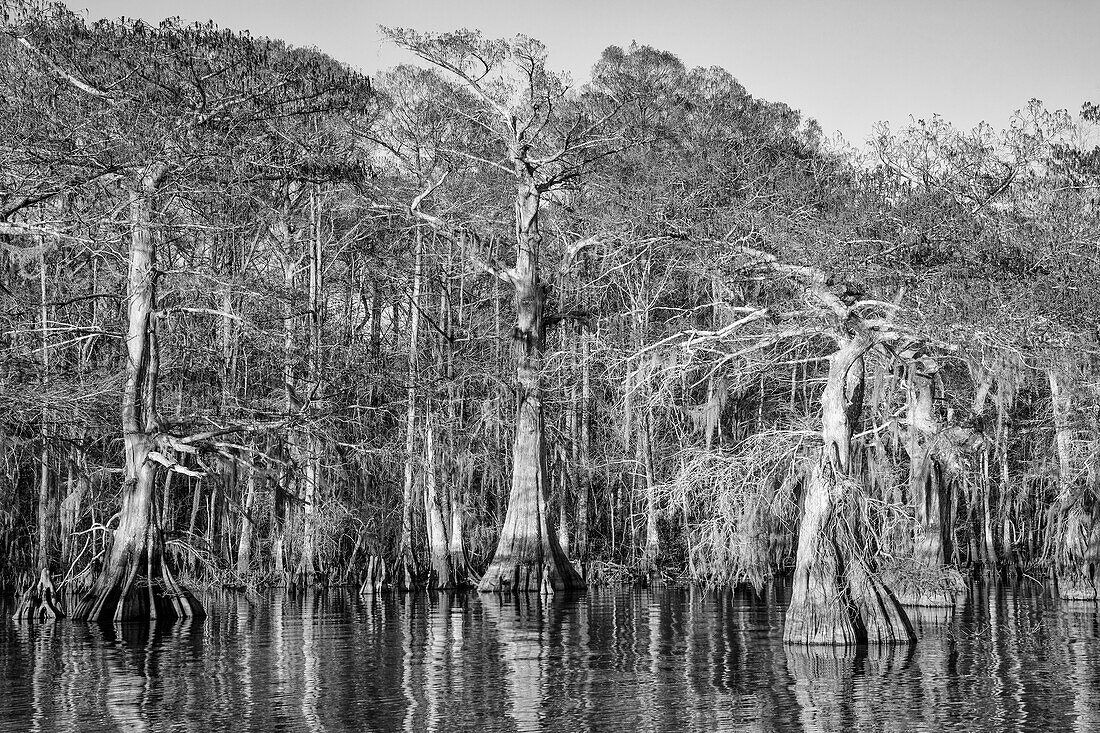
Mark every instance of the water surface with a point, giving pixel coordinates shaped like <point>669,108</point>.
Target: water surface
<point>611,660</point>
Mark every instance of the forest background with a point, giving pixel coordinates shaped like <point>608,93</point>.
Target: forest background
<point>267,321</point>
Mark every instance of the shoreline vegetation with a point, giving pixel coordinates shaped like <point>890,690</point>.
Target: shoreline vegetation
<point>265,321</point>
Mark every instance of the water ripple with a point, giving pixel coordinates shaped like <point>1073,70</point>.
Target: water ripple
<point>633,660</point>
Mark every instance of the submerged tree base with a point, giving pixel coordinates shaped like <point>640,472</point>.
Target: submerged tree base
<point>377,576</point>
<point>1077,586</point>
<point>530,577</point>
<point>844,605</point>
<point>131,595</point>
<point>39,601</point>
<point>837,599</point>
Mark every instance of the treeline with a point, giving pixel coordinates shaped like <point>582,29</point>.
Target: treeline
<point>267,321</point>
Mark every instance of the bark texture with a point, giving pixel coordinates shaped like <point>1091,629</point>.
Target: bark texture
<point>528,556</point>
<point>1078,557</point>
<point>836,598</point>
<point>135,581</point>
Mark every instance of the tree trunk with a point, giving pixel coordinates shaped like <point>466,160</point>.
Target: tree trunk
<point>836,598</point>
<point>38,600</point>
<point>407,568</point>
<point>44,477</point>
<point>1079,552</point>
<point>244,543</point>
<point>439,551</point>
<point>652,540</point>
<point>924,484</point>
<point>927,582</point>
<point>136,582</point>
<point>581,438</point>
<point>285,506</point>
<point>528,557</point>
<point>308,564</point>
<point>460,564</point>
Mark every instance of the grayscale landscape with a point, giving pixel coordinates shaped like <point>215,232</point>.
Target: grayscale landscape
<point>360,372</point>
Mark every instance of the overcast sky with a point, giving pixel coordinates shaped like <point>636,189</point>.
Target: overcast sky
<point>848,63</point>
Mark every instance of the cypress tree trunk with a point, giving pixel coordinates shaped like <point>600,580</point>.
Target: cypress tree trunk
<point>37,601</point>
<point>924,475</point>
<point>308,563</point>
<point>135,581</point>
<point>528,556</point>
<point>1078,555</point>
<point>836,599</point>
<point>928,582</point>
<point>583,410</point>
<point>439,551</point>
<point>285,506</point>
<point>406,558</point>
<point>652,540</point>
<point>244,542</point>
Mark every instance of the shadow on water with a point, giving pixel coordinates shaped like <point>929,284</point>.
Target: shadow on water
<point>1009,658</point>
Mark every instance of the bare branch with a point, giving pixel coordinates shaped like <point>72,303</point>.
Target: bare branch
<point>77,82</point>
<point>481,259</point>
<point>172,465</point>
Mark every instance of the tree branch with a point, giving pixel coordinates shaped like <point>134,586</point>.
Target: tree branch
<point>71,78</point>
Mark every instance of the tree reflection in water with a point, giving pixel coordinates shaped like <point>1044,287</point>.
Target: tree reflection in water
<point>1079,630</point>
<point>311,666</point>
<point>611,660</point>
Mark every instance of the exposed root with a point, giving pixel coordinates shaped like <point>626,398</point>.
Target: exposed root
<point>530,577</point>
<point>39,602</point>
<point>884,620</point>
<point>837,599</point>
<point>130,594</point>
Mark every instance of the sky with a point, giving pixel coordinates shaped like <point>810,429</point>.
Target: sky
<point>847,63</point>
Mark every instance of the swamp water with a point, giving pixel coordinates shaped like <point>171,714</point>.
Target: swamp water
<point>611,660</point>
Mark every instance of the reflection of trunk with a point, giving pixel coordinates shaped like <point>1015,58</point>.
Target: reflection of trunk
<point>835,598</point>
<point>843,689</point>
<point>1079,553</point>
<point>127,691</point>
<point>412,668</point>
<point>528,547</point>
<point>821,682</point>
<point>1079,648</point>
<point>312,673</point>
<point>523,632</point>
<point>135,582</point>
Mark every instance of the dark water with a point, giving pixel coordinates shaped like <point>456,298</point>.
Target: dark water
<point>626,660</point>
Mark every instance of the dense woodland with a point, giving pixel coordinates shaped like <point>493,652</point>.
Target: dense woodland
<point>265,321</point>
